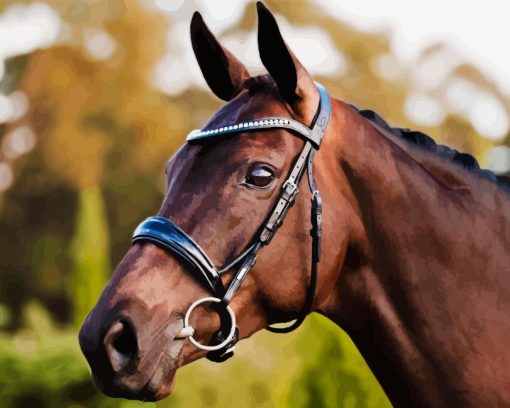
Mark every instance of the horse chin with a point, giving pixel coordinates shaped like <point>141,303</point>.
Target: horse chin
<point>162,382</point>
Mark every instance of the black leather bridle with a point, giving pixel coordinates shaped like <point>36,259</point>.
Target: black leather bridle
<point>166,234</point>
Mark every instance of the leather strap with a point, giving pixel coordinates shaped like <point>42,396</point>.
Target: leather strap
<point>287,196</point>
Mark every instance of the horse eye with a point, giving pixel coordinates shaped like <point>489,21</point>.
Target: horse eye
<point>260,176</point>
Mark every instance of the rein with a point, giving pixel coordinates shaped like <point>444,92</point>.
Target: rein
<point>167,235</point>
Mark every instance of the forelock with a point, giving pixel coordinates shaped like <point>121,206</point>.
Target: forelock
<point>262,84</point>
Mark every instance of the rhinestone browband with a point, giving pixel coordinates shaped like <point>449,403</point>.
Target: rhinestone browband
<point>257,124</point>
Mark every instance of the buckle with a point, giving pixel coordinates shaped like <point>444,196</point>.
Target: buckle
<point>289,191</point>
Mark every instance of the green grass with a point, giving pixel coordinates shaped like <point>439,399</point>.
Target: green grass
<point>317,366</point>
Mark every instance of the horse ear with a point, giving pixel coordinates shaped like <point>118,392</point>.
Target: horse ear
<point>294,82</point>
<point>223,72</point>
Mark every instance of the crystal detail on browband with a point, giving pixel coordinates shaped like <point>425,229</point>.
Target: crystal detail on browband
<point>243,125</point>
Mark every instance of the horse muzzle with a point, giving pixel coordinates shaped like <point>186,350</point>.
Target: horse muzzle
<point>123,366</point>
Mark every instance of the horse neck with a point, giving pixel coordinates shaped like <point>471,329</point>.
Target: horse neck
<point>423,288</point>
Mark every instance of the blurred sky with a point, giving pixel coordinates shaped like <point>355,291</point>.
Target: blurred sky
<point>475,29</point>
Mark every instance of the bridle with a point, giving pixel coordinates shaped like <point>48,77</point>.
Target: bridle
<point>167,235</point>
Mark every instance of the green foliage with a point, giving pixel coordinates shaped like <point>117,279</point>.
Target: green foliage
<point>318,366</point>
<point>90,248</point>
<point>41,366</point>
<point>334,374</point>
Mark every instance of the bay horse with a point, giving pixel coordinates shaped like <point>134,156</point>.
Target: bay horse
<point>414,261</point>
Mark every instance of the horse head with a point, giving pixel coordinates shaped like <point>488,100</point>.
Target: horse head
<point>228,190</point>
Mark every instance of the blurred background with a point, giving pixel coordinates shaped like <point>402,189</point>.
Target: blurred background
<point>96,95</point>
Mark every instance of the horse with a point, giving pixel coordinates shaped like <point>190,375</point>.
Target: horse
<point>413,242</point>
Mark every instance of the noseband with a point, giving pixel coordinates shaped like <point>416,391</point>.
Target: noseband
<point>166,234</point>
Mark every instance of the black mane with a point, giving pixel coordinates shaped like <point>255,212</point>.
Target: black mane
<point>464,160</point>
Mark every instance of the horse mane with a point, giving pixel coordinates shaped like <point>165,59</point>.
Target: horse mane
<point>265,84</point>
<point>417,138</point>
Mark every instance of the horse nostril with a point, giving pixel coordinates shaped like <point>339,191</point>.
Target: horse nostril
<point>121,346</point>
<point>125,342</point>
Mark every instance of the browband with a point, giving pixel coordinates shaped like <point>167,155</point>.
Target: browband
<point>313,134</point>
<point>258,124</point>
